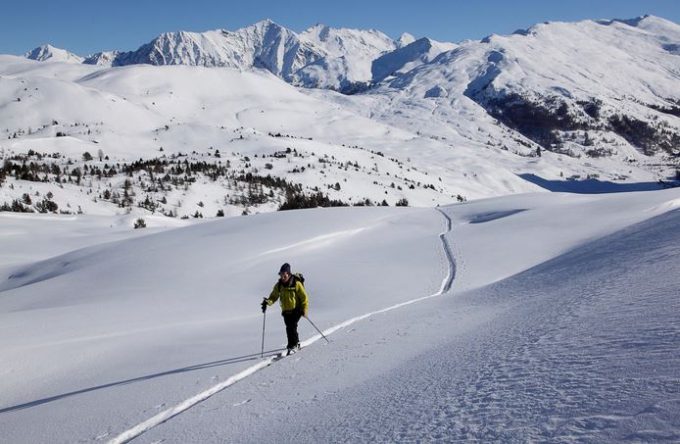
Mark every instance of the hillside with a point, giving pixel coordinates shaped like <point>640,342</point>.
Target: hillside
<point>232,123</point>
<point>118,332</point>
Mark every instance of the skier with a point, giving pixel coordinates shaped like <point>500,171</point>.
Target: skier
<point>293,299</point>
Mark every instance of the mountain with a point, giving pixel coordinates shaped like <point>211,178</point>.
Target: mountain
<point>405,39</point>
<point>50,53</point>
<point>263,45</point>
<point>319,57</point>
<point>105,58</point>
<point>589,106</point>
<point>350,55</point>
<point>590,89</point>
<point>406,58</point>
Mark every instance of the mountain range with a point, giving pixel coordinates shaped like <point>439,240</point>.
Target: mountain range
<point>319,57</point>
<point>616,76</point>
<point>565,106</point>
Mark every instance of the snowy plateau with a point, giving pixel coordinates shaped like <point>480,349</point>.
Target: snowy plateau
<point>489,231</point>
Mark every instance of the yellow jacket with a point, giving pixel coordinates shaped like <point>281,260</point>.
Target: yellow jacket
<point>292,296</point>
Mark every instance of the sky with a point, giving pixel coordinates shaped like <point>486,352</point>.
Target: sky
<point>88,26</point>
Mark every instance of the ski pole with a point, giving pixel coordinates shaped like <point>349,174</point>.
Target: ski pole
<point>317,329</point>
<point>264,318</point>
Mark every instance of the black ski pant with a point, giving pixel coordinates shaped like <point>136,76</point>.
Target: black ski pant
<point>291,318</point>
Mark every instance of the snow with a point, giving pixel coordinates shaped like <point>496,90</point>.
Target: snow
<point>517,315</point>
<point>528,343</point>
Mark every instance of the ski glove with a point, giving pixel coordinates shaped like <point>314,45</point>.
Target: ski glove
<point>264,305</point>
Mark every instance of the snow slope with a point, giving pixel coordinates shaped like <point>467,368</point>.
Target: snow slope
<point>27,239</point>
<point>98,313</point>
<point>103,338</point>
<point>580,347</point>
<point>132,112</point>
<point>583,348</point>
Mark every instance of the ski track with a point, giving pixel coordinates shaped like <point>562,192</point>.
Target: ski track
<point>168,414</point>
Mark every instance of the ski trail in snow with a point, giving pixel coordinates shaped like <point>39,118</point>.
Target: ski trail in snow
<point>168,414</point>
<point>448,280</point>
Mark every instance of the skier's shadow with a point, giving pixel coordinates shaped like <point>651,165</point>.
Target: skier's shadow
<point>190,368</point>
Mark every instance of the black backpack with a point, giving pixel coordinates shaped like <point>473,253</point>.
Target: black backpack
<point>296,277</point>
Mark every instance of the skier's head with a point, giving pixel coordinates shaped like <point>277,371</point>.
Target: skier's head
<point>284,272</point>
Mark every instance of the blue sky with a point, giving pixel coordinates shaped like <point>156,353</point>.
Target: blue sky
<point>89,26</point>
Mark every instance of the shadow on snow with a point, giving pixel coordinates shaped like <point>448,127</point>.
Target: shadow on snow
<point>594,186</point>
<point>190,368</point>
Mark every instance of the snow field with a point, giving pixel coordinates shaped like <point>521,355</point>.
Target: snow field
<point>580,347</point>
<point>115,322</point>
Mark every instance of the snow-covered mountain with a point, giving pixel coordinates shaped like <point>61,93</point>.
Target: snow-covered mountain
<point>319,57</point>
<point>50,53</point>
<point>590,88</point>
<point>263,45</point>
<point>351,53</point>
<point>408,57</point>
<point>104,58</point>
<point>592,105</point>
<point>405,39</point>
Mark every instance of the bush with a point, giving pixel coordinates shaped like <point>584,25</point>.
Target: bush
<point>295,201</point>
<point>403,202</point>
<point>140,223</point>
<point>16,207</point>
<point>47,206</point>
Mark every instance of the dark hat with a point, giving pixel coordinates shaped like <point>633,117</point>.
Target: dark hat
<point>285,268</point>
